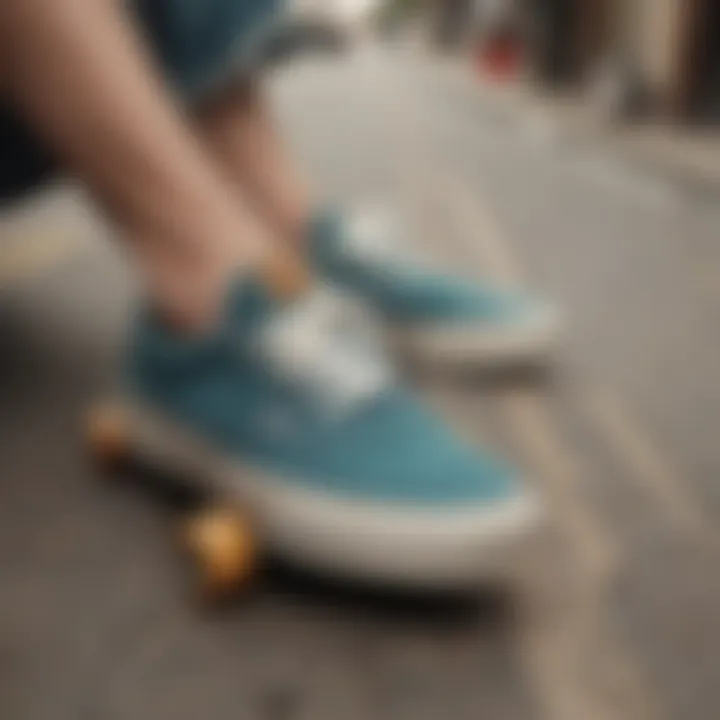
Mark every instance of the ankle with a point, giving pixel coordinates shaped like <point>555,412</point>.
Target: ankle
<point>191,299</point>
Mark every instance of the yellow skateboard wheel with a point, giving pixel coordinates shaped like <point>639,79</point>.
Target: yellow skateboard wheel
<point>221,544</point>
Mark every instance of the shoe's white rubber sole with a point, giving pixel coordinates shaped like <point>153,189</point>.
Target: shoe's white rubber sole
<point>452,548</point>
<point>462,345</point>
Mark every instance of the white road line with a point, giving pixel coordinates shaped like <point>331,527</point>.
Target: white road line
<point>556,653</point>
<point>650,470</point>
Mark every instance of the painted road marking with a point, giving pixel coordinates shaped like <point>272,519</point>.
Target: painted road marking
<point>557,650</point>
<point>558,647</point>
<point>650,469</point>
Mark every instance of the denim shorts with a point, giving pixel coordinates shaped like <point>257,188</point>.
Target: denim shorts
<point>201,46</point>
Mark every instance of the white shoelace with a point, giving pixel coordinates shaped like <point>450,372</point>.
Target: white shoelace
<point>326,345</point>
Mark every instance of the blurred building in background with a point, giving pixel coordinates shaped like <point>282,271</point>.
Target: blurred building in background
<point>663,55</point>
<point>652,57</point>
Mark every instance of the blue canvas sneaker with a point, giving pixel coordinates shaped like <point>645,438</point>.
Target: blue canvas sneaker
<point>293,410</point>
<point>434,315</point>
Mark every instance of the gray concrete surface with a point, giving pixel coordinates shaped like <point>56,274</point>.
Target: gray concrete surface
<point>617,617</point>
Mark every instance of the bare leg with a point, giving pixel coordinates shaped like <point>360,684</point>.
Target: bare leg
<point>240,131</point>
<point>78,72</point>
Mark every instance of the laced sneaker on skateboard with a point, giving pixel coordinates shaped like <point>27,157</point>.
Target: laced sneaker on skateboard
<point>291,410</point>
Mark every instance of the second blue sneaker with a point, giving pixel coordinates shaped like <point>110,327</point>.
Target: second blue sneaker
<point>435,315</point>
<point>291,409</point>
